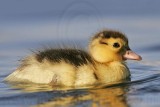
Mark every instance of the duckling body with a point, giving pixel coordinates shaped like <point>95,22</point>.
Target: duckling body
<point>104,63</point>
<point>58,67</point>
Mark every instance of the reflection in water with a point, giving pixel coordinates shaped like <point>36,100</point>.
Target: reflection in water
<point>48,96</point>
<point>110,97</point>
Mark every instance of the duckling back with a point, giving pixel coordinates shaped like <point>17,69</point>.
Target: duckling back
<point>74,57</point>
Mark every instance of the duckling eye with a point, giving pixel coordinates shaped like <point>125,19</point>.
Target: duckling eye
<point>116,45</point>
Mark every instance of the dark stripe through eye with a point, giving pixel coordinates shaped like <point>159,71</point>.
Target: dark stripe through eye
<point>103,43</point>
<point>116,45</point>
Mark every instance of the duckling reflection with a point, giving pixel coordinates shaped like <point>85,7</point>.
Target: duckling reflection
<point>104,63</point>
<point>109,97</point>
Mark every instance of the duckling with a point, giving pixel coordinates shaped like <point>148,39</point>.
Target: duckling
<point>104,63</point>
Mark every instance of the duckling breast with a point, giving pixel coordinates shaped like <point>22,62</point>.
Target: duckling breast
<point>112,72</point>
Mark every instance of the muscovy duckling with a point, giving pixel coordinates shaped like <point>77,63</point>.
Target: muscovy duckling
<point>104,63</point>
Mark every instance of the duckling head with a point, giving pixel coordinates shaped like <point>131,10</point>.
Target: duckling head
<point>108,46</point>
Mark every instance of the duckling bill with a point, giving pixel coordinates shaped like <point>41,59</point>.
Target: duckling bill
<point>104,63</point>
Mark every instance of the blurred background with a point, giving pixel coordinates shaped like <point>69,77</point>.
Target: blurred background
<point>29,23</point>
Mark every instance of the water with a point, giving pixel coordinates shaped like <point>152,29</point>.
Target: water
<point>48,23</point>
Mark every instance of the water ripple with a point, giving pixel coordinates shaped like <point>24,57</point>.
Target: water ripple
<point>152,48</point>
<point>151,78</point>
